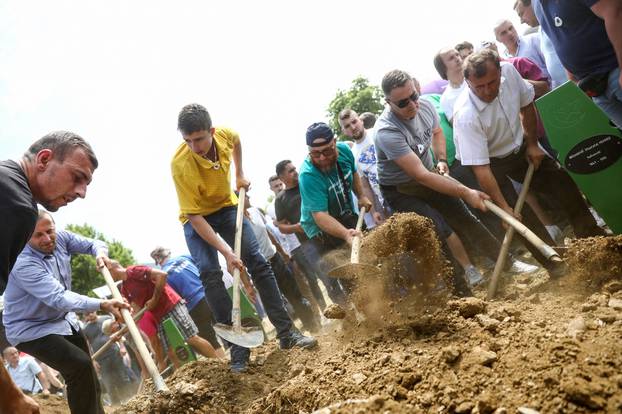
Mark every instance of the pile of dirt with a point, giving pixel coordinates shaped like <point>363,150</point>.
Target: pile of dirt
<point>51,404</point>
<point>407,233</point>
<point>595,260</point>
<point>545,346</point>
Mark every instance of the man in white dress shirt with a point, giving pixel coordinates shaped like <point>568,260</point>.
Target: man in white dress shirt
<point>495,133</point>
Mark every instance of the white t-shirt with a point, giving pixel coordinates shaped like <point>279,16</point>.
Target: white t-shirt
<point>448,99</point>
<point>365,158</point>
<point>266,248</point>
<point>484,130</point>
<point>289,242</point>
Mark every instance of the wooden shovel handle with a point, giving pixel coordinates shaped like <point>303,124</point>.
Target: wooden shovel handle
<point>236,315</point>
<point>356,241</point>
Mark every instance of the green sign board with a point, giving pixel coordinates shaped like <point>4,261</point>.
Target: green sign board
<point>590,148</point>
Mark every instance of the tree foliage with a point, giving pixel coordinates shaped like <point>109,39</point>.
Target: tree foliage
<point>361,97</point>
<point>85,276</point>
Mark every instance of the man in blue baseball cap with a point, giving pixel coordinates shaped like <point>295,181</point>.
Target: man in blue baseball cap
<point>327,179</point>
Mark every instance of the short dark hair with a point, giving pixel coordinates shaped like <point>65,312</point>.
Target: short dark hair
<point>273,178</point>
<point>62,143</point>
<point>280,166</point>
<point>193,118</point>
<point>369,119</point>
<point>394,79</point>
<point>346,114</point>
<point>525,3</point>
<point>464,45</point>
<point>439,65</point>
<point>475,64</point>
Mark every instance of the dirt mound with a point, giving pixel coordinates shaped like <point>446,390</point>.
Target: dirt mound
<point>595,260</point>
<point>407,232</point>
<point>51,404</point>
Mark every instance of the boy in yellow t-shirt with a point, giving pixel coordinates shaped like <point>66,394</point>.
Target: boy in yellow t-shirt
<point>201,172</point>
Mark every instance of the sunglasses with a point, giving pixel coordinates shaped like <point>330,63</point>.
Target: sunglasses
<point>327,152</point>
<point>403,103</point>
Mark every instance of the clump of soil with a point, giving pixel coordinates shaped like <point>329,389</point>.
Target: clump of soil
<point>596,260</point>
<point>408,233</point>
<point>334,311</point>
<point>51,404</point>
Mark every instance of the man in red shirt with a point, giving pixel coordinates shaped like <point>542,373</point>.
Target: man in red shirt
<point>147,287</point>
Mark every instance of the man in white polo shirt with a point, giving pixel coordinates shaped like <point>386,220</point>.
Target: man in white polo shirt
<point>495,133</point>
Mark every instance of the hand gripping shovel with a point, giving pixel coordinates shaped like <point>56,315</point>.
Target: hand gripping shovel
<point>354,268</point>
<point>248,337</point>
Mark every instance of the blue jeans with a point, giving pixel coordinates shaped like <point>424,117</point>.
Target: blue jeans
<point>206,256</point>
<point>611,101</point>
<point>313,252</point>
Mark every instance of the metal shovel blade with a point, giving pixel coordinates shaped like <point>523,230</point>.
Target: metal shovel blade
<point>248,337</point>
<point>354,270</point>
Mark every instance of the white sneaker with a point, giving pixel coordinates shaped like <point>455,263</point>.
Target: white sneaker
<point>521,267</point>
<point>473,275</point>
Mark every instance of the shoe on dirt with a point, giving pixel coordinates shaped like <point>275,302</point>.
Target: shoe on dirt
<point>473,275</point>
<point>557,270</point>
<point>521,267</point>
<point>296,339</point>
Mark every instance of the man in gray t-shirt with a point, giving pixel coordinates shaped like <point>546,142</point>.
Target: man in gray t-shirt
<point>406,132</point>
<point>403,136</point>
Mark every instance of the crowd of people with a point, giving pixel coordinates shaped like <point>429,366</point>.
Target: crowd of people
<point>439,150</point>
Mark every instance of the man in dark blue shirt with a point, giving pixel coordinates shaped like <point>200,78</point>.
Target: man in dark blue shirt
<point>587,35</point>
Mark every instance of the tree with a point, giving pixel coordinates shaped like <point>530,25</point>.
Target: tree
<point>85,275</point>
<point>361,97</point>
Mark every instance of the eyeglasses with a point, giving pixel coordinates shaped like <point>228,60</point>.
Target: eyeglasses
<point>403,103</point>
<point>325,152</point>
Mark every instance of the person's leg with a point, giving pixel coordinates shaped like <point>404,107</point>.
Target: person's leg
<point>202,317</point>
<point>314,251</point>
<point>310,275</point>
<point>289,287</point>
<point>180,316</point>
<point>611,101</point>
<point>261,273</point>
<point>70,356</point>
<point>551,179</point>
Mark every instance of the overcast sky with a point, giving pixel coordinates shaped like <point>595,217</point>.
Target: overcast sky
<point>118,72</point>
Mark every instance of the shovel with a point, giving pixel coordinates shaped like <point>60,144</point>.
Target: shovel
<point>248,337</point>
<point>544,248</point>
<point>354,268</point>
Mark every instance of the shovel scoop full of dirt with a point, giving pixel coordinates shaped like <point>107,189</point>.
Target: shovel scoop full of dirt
<point>334,311</point>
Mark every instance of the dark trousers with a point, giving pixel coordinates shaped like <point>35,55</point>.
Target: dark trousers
<point>201,314</point>
<point>548,179</point>
<point>289,287</point>
<point>70,356</point>
<point>310,273</point>
<point>206,256</point>
<point>115,376</point>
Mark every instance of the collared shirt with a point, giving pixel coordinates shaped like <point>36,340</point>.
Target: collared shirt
<point>529,47</point>
<point>38,300</point>
<point>484,130</point>
<point>25,374</point>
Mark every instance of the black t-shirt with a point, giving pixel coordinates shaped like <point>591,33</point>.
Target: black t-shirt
<point>287,207</point>
<point>18,216</point>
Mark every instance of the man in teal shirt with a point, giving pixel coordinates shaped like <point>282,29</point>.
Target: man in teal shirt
<point>327,179</point>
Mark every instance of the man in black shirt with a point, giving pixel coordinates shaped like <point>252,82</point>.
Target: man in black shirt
<point>287,210</point>
<point>53,172</point>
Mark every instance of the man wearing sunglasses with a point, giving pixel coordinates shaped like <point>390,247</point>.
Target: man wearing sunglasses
<point>408,139</point>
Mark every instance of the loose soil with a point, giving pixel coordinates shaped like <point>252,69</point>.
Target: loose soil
<point>549,346</point>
